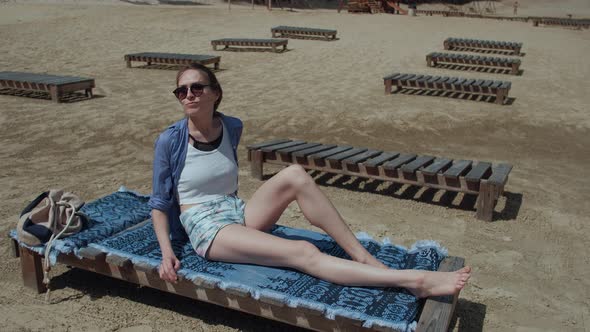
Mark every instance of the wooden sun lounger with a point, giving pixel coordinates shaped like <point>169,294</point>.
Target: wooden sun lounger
<point>55,85</point>
<point>288,31</point>
<point>440,12</point>
<point>477,44</point>
<point>499,89</point>
<point>436,314</point>
<point>172,58</point>
<point>434,58</point>
<point>478,178</point>
<point>258,43</point>
<point>563,22</point>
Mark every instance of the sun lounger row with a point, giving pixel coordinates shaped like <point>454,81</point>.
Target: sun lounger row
<point>289,31</point>
<point>479,178</point>
<point>499,89</point>
<point>110,247</point>
<point>434,58</point>
<point>439,12</point>
<point>172,58</point>
<point>455,13</point>
<point>564,22</point>
<point>249,42</point>
<point>453,43</point>
<point>57,86</point>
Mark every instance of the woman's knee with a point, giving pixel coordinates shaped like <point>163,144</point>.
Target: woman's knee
<point>307,256</point>
<point>297,177</point>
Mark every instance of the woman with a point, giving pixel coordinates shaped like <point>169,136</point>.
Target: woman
<point>196,179</point>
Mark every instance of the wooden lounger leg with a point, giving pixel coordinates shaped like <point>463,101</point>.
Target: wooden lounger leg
<point>215,47</point>
<point>128,63</point>
<point>88,93</point>
<point>256,164</point>
<point>284,47</point>
<point>438,311</point>
<point>514,69</point>
<point>274,49</point>
<point>54,93</point>
<point>429,61</point>
<point>388,87</point>
<point>32,270</point>
<point>486,201</point>
<point>216,65</point>
<point>500,96</point>
<point>15,249</point>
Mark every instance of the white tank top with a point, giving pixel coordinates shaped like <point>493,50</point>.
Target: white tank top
<point>207,175</point>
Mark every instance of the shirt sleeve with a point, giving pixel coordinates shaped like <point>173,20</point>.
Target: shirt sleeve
<point>162,192</point>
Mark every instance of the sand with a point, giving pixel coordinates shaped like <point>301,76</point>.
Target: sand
<point>530,264</point>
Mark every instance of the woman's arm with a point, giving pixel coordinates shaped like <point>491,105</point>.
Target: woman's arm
<point>170,264</point>
<point>161,201</point>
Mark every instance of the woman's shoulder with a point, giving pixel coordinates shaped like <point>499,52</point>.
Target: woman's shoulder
<point>171,133</point>
<point>231,121</point>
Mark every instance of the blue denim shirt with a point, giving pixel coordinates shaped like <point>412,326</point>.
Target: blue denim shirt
<point>169,157</point>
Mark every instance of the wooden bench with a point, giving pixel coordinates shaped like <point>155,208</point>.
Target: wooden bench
<point>564,22</point>
<point>477,44</point>
<point>435,316</point>
<point>298,32</point>
<point>499,89</point>
<point>479,178</point>
<point>440,12</point>
<point>258,43</point>
<point>172,58</point>
<point>57,86</point>
<point>434,58</point>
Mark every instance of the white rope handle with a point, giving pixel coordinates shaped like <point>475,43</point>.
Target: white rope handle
<point>53,238</point>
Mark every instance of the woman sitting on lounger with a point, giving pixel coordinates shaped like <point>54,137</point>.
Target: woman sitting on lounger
<point>196,179</point>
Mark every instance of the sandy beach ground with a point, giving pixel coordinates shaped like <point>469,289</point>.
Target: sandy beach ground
<point>530,264</point>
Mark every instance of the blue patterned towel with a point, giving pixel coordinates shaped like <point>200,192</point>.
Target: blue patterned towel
<point>392,307</point>
<point>108,215</point>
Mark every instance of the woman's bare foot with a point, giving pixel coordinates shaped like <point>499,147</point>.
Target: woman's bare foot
<point>440,283</point>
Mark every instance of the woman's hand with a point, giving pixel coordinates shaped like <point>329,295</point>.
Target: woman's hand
<point>168,268</point>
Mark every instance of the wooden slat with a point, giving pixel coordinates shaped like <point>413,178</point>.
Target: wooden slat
<point>263,144</point>
<point>478,171</point>
<point>438,165</point>
<point>392,76</point>
<point>496,84</point>
<point>309,151</point>
<point>417,163</point>
<point>397,162</point>
<point>90,253</point>
<point>327,153</point>
<point>145,267</point>
<point>297,148</point>
<point>361,157</point>
<point>346,154</point>
<point>500,174</point>
<point>458,168</point>
<point>385,156</point>
<point>273,148</point>
<point>117,260</point>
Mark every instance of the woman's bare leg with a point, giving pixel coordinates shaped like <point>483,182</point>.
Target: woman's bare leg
<point>294,184</point>
<point>239,244</point>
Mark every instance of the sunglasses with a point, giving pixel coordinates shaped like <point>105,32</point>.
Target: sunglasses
<point>196,89</point>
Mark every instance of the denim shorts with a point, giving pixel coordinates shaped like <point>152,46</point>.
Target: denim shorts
<point>202,221</point>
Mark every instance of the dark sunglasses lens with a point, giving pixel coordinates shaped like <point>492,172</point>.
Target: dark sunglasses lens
<point>197,89</point>
<point>180,92</point>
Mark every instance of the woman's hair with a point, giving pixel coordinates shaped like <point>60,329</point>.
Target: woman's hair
<point>213,82</point>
